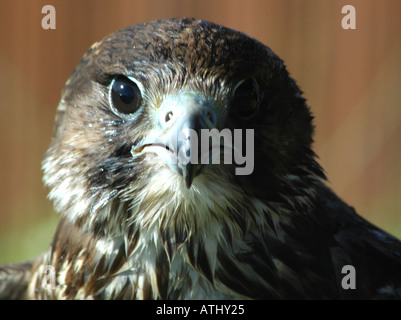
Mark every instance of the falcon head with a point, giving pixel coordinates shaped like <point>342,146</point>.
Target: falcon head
<point>129,107</point>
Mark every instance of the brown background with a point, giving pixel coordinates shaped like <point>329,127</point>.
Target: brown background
<point>351,78</point>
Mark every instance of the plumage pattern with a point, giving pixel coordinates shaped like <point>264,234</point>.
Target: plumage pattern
<point>133,228</point>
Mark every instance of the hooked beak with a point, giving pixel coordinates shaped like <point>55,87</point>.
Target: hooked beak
<point>181,118</point>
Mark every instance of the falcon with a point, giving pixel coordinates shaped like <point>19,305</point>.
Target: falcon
<point>134,224</point>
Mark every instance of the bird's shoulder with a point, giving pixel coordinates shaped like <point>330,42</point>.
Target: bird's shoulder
<point>14,280</point>
<point>374,254</point>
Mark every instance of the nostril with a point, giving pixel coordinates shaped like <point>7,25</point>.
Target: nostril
<point>169,115</point>
<point>211,117</point>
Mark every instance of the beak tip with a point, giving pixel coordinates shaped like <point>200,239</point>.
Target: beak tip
<point>188,180</point>
<point>189,172</point>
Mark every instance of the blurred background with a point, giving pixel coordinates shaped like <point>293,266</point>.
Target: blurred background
<point>351,79</point>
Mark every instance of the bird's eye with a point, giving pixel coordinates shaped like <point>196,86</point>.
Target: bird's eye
<point>246,99</point>
<point>125,95</point>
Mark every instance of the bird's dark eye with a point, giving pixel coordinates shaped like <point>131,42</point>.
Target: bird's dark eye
<point>246,99</point>
<point>125,95</point>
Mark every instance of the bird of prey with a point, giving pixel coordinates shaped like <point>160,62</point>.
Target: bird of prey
<point>136,225</point>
